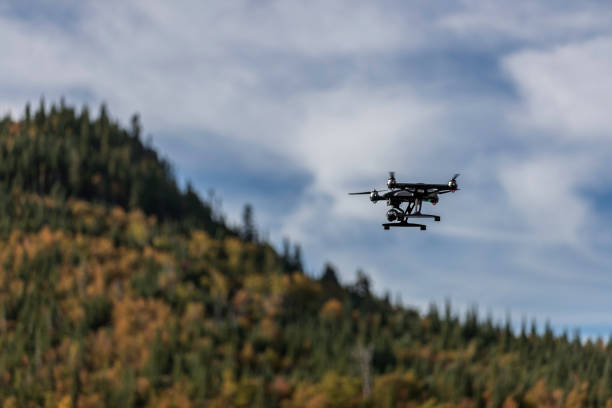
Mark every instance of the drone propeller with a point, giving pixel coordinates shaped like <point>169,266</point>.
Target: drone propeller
<point>453,183</point>
<point>367,192</point>
<point>391,179</point>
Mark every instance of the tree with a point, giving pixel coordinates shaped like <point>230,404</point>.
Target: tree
<point>136,127</point>
<point>362,284</point>
<point>329,278</point>
<point>249,233</point>
<point>364,354</point>
<point>296,261</point>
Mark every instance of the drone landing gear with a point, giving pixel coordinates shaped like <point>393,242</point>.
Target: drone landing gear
<point>403,224</point>
<point>416,207</point>
<point>419,215</point>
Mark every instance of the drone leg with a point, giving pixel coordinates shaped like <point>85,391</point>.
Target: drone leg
<point>409,208</point>
<point>404,224</point>
<point>435,217</point>
<point>417,205</point>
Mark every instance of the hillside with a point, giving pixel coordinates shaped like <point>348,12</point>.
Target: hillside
<point>65,154</point>
<point>120,290</point>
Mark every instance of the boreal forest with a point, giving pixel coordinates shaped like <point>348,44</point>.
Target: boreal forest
<point>120,288</point>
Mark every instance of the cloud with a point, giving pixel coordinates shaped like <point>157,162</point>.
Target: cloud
<point>526,23</point>
<point>543,191</point>
<point>566,89</point>
<point>565,96</point>
<point>290,105</point>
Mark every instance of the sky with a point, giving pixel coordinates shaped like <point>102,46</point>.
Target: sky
<point>289,105</point>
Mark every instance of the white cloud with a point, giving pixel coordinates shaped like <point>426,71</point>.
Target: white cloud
<point>526,22</point>
<point>543,191</point>
<point>296,79</point>
<point>565,99</point>
<point>353,132</point>
<point>566,89</point>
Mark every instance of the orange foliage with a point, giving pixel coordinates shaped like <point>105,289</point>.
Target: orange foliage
<point>280,387</point>
<point>268,329</point>
<point>539,396</point>
<point>241,301</point>
<point>307,396</point>
<point>101,347</point>
<point>90,401</point>
<point>510,402</point>
<point>332,310</point>
<point>10,402</point>
<point>577,397</point>
<point>247,353</point>
<point>174,397</point>
<point>136,323</point>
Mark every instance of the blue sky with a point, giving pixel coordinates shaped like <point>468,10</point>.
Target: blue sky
<point>289,105</point>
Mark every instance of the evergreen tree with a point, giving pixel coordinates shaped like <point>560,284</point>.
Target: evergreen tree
<point>249,233</point>
<point>329,278</point>
<point>120,289</point>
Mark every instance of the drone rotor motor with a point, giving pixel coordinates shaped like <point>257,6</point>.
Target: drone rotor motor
<point>391,180</point>
<point>452,184</point>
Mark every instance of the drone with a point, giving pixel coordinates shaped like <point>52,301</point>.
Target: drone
<point>414,194</point>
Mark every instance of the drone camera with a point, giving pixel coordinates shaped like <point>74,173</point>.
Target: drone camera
<point>394,214</point>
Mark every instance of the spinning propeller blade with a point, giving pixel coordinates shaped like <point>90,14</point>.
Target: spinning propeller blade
<point>367,192</point>
<point>455,176</point>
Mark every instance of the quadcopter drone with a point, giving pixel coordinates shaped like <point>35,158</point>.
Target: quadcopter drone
<point>414,194</point>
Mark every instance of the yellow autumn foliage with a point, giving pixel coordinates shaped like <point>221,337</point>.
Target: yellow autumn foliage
<point>136,323</point>
<point>332,310</point>
<point>577,397</point>
<point>396,389</point>
<point>539,396</point>
<point>199,244</point>
<point>137,228</point>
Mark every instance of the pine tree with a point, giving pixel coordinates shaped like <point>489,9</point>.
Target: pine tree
<point>249,232</point>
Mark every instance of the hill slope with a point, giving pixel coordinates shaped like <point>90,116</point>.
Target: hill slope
<point>109,298</point>
<point>67,154</point>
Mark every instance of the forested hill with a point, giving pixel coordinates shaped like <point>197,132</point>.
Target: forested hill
<point>63,153</point>
<point>109,298</point>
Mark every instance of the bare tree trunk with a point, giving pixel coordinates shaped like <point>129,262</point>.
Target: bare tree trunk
<point>364,357</point>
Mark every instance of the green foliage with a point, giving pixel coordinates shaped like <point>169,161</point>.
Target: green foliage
<point>110,298</point>
<point>98,311</point>
<point>69,154</point>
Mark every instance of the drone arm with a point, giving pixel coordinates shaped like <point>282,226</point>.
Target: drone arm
<point>405,186</point>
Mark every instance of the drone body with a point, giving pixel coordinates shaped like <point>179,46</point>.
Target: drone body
<point>413,194</point>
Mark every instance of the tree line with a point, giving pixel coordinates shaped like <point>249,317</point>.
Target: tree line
<point>110,298</point>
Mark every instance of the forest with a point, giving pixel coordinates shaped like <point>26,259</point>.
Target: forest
<point>119,288</point>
